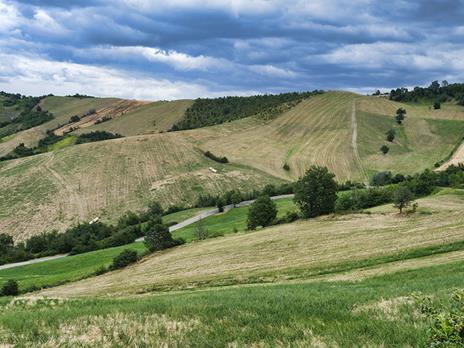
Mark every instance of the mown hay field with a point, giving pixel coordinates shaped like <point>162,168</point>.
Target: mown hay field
<point>298,250</point>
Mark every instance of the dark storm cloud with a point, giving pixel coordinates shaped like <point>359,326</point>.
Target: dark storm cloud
<point>239,46</point>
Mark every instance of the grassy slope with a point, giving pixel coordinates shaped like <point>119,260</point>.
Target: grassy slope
<point>105,179</point>
<point>376,312</point>
<point>151,118</point>
<point>299,250</point>
<point>77,266</point>
<point>426,136</point>
<point>62,108</point>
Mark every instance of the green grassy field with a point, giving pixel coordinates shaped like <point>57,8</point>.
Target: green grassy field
<point>71,268</point>
<point>375,312</point>
<point>233,221</point>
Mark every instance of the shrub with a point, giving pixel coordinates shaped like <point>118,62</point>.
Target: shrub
<point>10,288</point>
<point>316,192</point>
<point>390,135</point>
<point>286,167</point>
<point>216,158</point>
<point>125,258</point>
<point>384,148</point>
<point>159,238</point>
<point>262,212</point>
<point>436,105</point>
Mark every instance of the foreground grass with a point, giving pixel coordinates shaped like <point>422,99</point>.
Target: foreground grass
<point>377,312</point>
<point>71,268</point>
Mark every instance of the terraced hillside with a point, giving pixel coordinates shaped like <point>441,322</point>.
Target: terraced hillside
<point>302,250</point>
<point>105,179</point>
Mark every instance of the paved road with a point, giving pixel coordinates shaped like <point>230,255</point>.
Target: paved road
<point>173,228</point>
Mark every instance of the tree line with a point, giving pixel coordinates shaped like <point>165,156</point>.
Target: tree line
<point>434,93</point>
<point>207,111</point>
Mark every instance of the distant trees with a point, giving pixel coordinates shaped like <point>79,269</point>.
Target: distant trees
<point>96,136</point>
<point>384,149</point>
<point>402,198</point>
<point>400,115</point>
<point>434,92</point>
<point>235,198</point>
<point>316,192</point>
<point>390,135</point>
<point>262,212</point>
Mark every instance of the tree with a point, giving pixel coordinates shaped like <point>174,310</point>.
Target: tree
<point>75,118</point>
<point>390,135</point>
<point>286,167</point>
<point>384,148</point>
<point>220,204</point>
<point>400,115</point>
<point>262,212</point>
<point>377,92</point>
<point>236,198</point>
<point>158,238</point>
<point>10,288</point>
<point>125,258</point>
<point>316,192</point>
<point>436,105</point>
<point>155,209</point>
<point>402,198</point>
<point>200,231</point>
<point>6,243</point>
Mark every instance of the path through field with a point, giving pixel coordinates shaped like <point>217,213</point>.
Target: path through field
<point>354,141</point>
<point>458,157</point>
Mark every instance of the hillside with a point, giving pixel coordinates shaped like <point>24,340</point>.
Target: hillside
<point>340,130</point>
<point>303,250</point>
<point>105,179</point>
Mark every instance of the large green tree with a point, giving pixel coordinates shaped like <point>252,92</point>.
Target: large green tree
<point>402,197</point>
<point>316,192</point>
<point>262,212</point>
<point>158,237</point>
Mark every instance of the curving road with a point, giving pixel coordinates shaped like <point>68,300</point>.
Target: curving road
<point>173,228</point>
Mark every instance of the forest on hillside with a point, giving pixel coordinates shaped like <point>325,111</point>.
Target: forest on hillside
<point>436,93</point>
<point>207,112</point>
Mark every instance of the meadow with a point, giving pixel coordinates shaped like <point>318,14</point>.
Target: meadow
<point>375,312</point>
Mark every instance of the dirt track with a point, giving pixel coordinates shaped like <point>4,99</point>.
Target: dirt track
<point>458,157</point>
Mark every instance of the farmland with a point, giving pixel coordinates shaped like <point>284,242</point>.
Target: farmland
<point>303,249</point>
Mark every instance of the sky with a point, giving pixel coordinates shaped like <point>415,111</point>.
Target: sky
<point>173,49</point>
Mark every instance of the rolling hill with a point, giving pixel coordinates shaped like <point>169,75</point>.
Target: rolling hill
<point>340,130</point>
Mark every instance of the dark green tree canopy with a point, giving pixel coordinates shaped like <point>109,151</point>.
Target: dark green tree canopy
<point>262,212</point>
<point>316,192</point>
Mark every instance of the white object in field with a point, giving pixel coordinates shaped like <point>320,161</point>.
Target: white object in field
<point>94,220</point>
<point>212,170</point>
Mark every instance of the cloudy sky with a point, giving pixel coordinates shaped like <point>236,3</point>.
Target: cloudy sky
<point>169,49</point>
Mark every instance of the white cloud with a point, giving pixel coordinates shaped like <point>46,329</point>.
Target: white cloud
<point>177,60</point>
<point>9,17</point>
<point>37,76</point>
<point>273,71</point>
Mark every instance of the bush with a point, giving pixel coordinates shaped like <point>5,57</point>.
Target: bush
<point>286,167</point>
<point>96,136</point>
<point>216,158</point>
<point>384,149</point>
<point>262,212</point>
<point>124,259</point>
<point>159,238</point>
<point>316,192</point>
<point>436,105</point>
<point>390,135</point>
<point>10,288</point>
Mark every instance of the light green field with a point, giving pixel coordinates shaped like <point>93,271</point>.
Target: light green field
<point>233,221</point>
<point>70,268</point>
<point>375,312</point>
